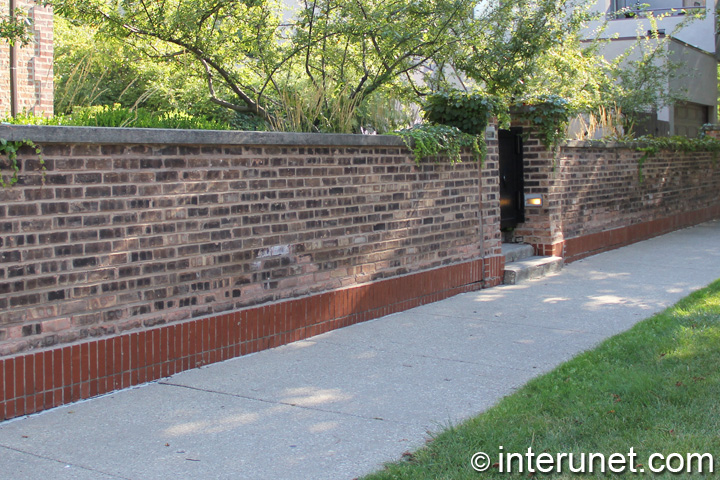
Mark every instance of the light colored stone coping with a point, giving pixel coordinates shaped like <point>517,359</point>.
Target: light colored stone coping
<point>601,144</point>
<point>45,134</point>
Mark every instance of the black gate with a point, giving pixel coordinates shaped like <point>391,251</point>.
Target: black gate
<point>512,209</point>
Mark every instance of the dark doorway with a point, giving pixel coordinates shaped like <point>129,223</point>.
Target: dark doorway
<point>512,210</point>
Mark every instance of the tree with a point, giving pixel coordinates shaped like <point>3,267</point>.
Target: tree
<point>505,48</point>
<point>95,69</point>
<point>337,53</point>
<point>234,42</point>
<point>535,48</point>
<point>575,71</point>
<point>644,71</point>
<point>332,63</point>
<point>368,44</point>
<point>350,50</point>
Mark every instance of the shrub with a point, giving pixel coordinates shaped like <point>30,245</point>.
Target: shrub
<point>119,116</point>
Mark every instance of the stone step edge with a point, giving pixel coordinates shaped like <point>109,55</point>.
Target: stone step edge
<point>517,252</point>
<point>530,268</point>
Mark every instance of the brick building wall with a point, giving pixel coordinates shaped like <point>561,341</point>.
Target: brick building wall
<point>34,63</point>
<point>143,256</point>
<point>595,197</point>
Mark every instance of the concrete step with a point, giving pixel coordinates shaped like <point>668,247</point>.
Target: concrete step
<point>516,251</point>
<point>529,268</point>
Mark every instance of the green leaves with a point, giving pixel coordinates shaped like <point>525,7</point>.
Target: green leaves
<point>434,140</point>
<point>453,110</point>
<point>249,52</point>
<point>10,150</point>
<point>643,70</point>
<point>549,115</point>
<point>318,68</point>
<point>118,116</point>
<point>651,145</point>
<point>233,44</point>
<point>374,46</point>
<point>504,47</point>
<point>467,112</point>
<point>16,28</point>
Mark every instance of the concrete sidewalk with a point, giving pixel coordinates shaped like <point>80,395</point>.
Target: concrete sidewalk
<point>339,405</point>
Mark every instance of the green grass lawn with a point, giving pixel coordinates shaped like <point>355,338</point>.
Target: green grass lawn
<point>655,388</point>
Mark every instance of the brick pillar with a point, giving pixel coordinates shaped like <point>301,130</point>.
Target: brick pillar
<point>542,169</point>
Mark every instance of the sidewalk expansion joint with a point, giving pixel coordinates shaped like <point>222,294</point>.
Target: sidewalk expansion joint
<point>67,464</point>
<point>277,402</point>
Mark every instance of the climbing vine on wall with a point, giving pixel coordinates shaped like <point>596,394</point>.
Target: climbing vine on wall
<point>426,140</point>
<point>470,112</point>
<point>549,115</point>
<point>9,149</point>
<point>650,146</point>
<point>467,112</point>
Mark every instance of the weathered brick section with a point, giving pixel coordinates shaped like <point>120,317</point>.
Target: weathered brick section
<point>596,199</point>
<point>34,63</point>
<point>490,200</point>
<point>122,237</point>
<point>602,187</point>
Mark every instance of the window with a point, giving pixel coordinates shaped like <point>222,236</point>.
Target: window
<point>632,8</point>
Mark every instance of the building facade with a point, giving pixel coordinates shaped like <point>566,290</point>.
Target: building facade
<point>26,72</point>
<point>692,44</point>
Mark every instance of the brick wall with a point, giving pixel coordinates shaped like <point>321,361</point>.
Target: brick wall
<point>594,198</point>
<point>713,131</point>
<point>142,255</point>
<point>34,63</point>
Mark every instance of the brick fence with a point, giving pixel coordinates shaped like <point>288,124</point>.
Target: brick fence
<point>142,253</point>
<point>145,253</point>
<point>597,197</point>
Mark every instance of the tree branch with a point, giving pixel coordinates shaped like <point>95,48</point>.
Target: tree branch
<point>209,63</point>
<point>214,98</point>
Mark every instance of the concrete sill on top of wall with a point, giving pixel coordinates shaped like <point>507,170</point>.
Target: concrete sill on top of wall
<point>45,134</point>
<point>709,129</point>
<point>601,144</point>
